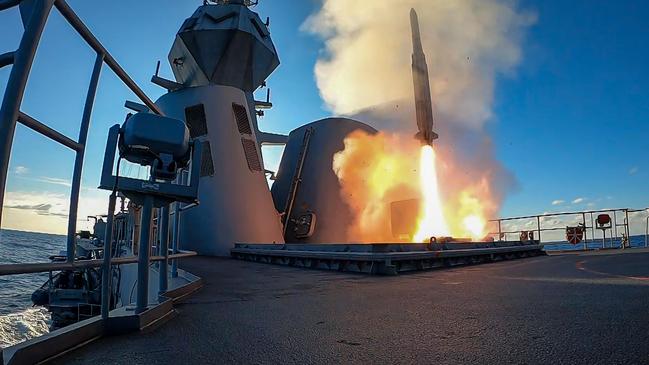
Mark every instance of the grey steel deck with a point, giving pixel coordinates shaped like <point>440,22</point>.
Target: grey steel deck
<point>578,308</point>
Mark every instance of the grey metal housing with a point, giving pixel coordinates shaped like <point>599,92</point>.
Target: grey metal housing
<point>319,190</point>
<point>226,45</point>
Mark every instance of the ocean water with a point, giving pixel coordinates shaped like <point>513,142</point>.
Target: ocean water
<point>635,242</point>
<point>20,321</point>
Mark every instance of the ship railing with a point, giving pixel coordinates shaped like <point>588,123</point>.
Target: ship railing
<point>34,15</point>
<point>21,61</point>
<point>33,268</point>
<point>547,227</point>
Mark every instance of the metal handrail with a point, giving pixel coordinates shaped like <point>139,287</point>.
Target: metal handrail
<point>21,61</point>
<point>10,113</point>
<point>614,235</point>
<point>48,132</point>
<point>33,268</point>
<point>6,59</point>
<point>566,213</point>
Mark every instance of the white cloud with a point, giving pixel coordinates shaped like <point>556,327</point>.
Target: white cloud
<point>44,211</point>
<point>49,180</point>
<point>578,200</point>
<point>558,202</point>
<point>55,181</point>
<point>21,170</point>
<point>634,170</point>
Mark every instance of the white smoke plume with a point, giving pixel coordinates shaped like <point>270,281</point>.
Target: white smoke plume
<point>368,53</point>
<point>365,72</point>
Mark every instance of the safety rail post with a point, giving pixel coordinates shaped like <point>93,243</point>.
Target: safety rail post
<point>108,242</point>
<point>583,220</point>
<point>175,239</point>
<point>500,230</point>
<point>613,229</point>
<point>142,298</point>
<point>23,59</point>
<point>78,161</point>
<point>646,235</point>
<point>626,228</point>
<point>164,248</point>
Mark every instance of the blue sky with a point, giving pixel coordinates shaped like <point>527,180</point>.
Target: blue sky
<point>571,122</point>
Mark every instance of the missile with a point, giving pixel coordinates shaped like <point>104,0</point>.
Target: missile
<point>423,102</point>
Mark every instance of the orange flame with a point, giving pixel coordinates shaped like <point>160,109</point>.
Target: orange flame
<point>432,221</point>
<point>377,170</point>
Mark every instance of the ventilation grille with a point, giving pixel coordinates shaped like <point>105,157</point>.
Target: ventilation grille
<point>196,121</point>
<point>241,116</point>
<point>250,149</point>
<point>207,165</point>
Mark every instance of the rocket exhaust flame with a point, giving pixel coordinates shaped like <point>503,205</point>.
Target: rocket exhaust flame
<point>432,221</point>
<point>377,170</point>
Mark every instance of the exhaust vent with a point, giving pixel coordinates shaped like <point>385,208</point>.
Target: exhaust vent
<point>241,117</point>
<point>250,149</point>
<point>207,165</point>
<point>196,121</point>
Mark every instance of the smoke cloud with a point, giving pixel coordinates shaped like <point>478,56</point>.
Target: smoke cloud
<point>365,72</point>
<point>368,53</point>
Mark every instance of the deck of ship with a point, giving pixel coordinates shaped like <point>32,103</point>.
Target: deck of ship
<point>575,308</point>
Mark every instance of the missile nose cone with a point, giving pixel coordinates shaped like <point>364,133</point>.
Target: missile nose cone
<point>416,37</point>
<point>414,19</point>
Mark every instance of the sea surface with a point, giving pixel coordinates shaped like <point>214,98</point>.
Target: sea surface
<point>20,321</point>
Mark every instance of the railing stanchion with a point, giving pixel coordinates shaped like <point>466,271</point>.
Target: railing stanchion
<point>500,230</point>
<point>583,219</point>
<point>105,272</point>
<point>627,230</point>
<point>142,299</point>
<point>646,235</point>
<point>164,247</point>
<point>78,161</point>
<point>175,239</point>
<point>15,88</point>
